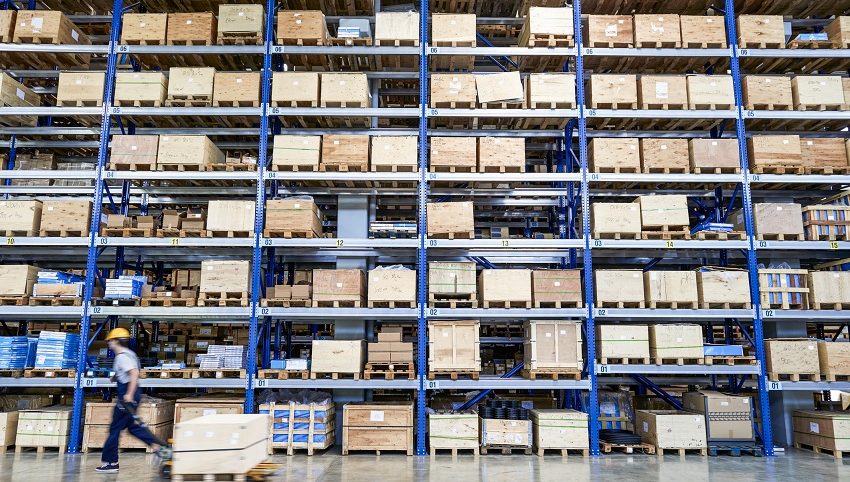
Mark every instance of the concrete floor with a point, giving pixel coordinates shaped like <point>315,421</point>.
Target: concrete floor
<point>794,466</point>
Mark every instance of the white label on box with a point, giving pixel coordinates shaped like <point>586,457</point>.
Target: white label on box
<point>19,93</point>
<point>814,427</point>
<point>210,411</point>
<point>241,14</point>
<point>209,434</point>
<point>141,24</point>
<point>709,20</point>
<point>336,143</point>
<point>513,424</point>
<point>238,81</point>
<point>678,340</point>
<point>446,334</point>
<point>632,148</point>
<point>339,285</point>
<point>37,23</point>
<point>645,427</point>
<point>557,283</point>
<point>134,148</point>
<point>811,347</point>
<point>746,401</point>
<point>517,438</point>
<point>548,335</point>
<point>376,415</point>
<point>75,35</point>
<point>785,141</point>
<point>663,147</point>
<point>563,332</point>
<point>188,22</point>
<point>713,143</point>
<point>78,81</point>
<point>662,90</point>
<point>723,404</point>
<point>611,30</point>
<point>50,208</point>
<point>296,205</point>
<point>209,268</point>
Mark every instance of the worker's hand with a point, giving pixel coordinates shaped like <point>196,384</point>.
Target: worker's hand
<point>128,398</point>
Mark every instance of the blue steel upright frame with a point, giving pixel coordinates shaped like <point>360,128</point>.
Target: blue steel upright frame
<point>422,250</point>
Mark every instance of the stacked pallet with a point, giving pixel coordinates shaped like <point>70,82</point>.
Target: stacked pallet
<point>45,428</point>
<point>301,426</point>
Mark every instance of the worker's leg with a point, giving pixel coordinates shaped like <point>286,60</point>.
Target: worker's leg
<point>120,421</point>
<point>142,432</point>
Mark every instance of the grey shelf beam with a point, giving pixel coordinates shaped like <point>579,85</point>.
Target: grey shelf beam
<point>660,114</point>
<point>504,177</point>
<point>505,313</point>
<point>53,48</point>
<point>246,242</point>
<point>12,241</point>
<point>41,312</point>
<point>668,244</point>
<point>46,174</point>
<point>66,382</point>
<point>819,115</point>
<point>340,243</point>
<point>795,53</point>
<point>769,315</point>
<point>678,369</point>
<point>498,383</point>
<point>191,49</point>
<point>345,50</point>
<point>652,52</point>
<point>683,314</point>
<point>504,51</point>
<point>802,245</point>
<point>808,386</point>
<point>505,244</point>
<point>504,113</point>
<point>215,314</point>
<point>328,315</point>
<point>664,178</point>
<point>799,179</point>
<point>343,111</point>
<point>180,175</point>
<point>340,176</point>
<point>339,384</point>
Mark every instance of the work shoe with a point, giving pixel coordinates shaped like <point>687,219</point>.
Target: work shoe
<point>107,469</point>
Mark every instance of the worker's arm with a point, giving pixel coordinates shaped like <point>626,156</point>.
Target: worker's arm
<point>132,384</point>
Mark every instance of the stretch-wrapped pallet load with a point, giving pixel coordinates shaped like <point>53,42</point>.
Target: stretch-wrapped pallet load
<point>57,350</point>
<point>307,423</point>
<point>126,288</point>
<point>13,352</point>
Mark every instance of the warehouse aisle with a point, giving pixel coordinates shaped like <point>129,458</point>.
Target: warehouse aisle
<point>792,467</point>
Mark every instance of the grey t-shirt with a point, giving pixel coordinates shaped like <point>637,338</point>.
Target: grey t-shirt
<point>124,362</point>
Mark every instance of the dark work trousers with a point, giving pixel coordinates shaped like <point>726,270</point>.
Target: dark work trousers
<point>122,419</point>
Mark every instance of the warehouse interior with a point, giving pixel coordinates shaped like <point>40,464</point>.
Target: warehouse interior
<point>493,238</point>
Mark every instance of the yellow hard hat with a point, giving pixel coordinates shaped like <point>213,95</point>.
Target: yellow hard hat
<point>118,333</point>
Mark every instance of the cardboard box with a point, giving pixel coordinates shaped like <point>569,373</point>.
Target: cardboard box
<point>347,150</point>
<point>17,279</point>
<point>791,355</point>
<point>20,216</point>
<point>140,89</point>
<point>392,152</point>
<point>16,94</point>
<point>664,155</point>
<point>662,92</point>
<point>295,89</point>
<point>243,437</point>
<point>505,432</point>
<point>675,341</point>
<point>714,156</point>
<point>68,216</point>
<point>296,152</point>
<point>449,430</point>
<point>339,285</point>
<point>498,88</point>
<point>552,345</point>
<point>453,345</point>
<point>295,215</point>
<point>191,83</point>
<point>499,286</point>
<point>658,30</point>
<point>452,152</point>
<point>556,286</point>
<point>559,429</point>
<point>670,287</point>
<point>619,285</point>
<point>761,31</point>
<point>451,278</point>
<point>767,92</point>
<point>710,92</point>
<point>95,436</point>
<point>613,91</point>
<point>610,31</point>
<point>77,89</point>
<point>834,358</point>
<point>453,30</point>
<point>613,155</point>
<point>719,286</point>
<point>397,28</point>
<point>392,285</point>
<point>236,89</point>
<point>219,276</point>
<point>783,150</point>
<point>622,341</point>
<point>663,210</point>
<point>301,27</point>
<point>9,429</point>
<point>728,417</point>
<point>773,219</point>
<point>823,429</point>
<point>144,28</point>
<point>188,150</point>
<point>231,216</point>
<point>671,429</point>
<point>707,32</point>
<point>544,26</point>
<point>817,90</point>
<point>453,90</point>
<point>450,218</point>
<point>133,150</point>
<point>338,356</point>
<point>349,89</point>
<point>196,28</point>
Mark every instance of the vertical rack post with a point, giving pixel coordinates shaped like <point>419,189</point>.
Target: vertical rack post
<point>421,252</point>
<point>752,260</point>
<point>75,437</point>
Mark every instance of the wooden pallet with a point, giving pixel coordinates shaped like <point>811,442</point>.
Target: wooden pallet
<point>679,361</point>
<point>607,448</point>
<point>181,373</point>
<point>502,169</point>
<point>389,370</point>
<point>541,451</point>
<point>666,233</point>
<point>79,103</point>
<point>827,306</point>
<point>793,377</point>
<point>128,232</point>
<point>337,303</point>
<point>735,450</point>
<point>40,448</point>
<point>129,166</point>
<point>453,374</point>
<point>50,373</point>
<point>453,235</point>
<point>507,304</point>
<point>220,373</point>
<point>624,361</point>
<point>681,451</point>
<point>454,451</point>
<point>56,301</point>
<point>10,233</point>
<point>11,373</point>
<point>779,169</point>
<point>468,300</point>
<point>63,233</point>
<point>284,303</point>
<point>835,377</point>
<point>838,454</point>
<point>212,233</point>
<point>239,38</point>
<point>391,304</point>
<point>673,305</point>
<point>549,40</point>
<point>621,304</point>
<point>769,107</point>
<point>717,170</point>
<point>334,376</point>
<point>505,449</point>
<point>614,105</point>
<point>555,374</point>
<point>602,235</point>
<point>720,236</point>
<point>819,107</point>
<point>289,234</point>
<point>188,101</point>
<point>258,473</point>
<point>711,106</point>
<point>616,170</point>
<point>224,298</point>
<point>179,233</point>
<point>731,360</point>
<point>559,304</point>
<point>168,302</point>
<point>275,374</point>
<point>780,237</point>
<point>451,168</point>
<point>181,167</point>
<point>726,306</point>
<point>828,170</point>
<point>229,166</point>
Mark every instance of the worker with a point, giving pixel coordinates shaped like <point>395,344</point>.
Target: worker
<point>126,367</point>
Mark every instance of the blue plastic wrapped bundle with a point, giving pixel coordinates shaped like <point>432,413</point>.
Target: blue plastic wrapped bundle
<point>57,350</point>
<point>32,346</point>
<point>13,352</point>
<point>50,277</point>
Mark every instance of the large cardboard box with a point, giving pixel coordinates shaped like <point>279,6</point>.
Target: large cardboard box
<point>618,286</point>
<point>671,429</point>
<point>773,219</point>
<point>392,285</point>
<point>219,276</point>
<point>817,90</point>
<point>724,287</point>
<point>16,94</point>
<point>191,83</point>
<point>456,30</point>
<point>339,285</point>
<point>348,89</point>
<point>338,356</point>
<point>670,287</point>
<point>613,155</point>
<point>451,278</point>
<point>552,345</point>
<point>449,153</point>
<point>613,91</point>
<point>9,429</point>
<point>394,152</point>
<point>839,31</point>
<point>144,28</point>
<point>296,153</point>
<point>710,92</point>
<point>397,28</point>
<point>453,90</point>
<point>95,436</point>
<point>69,216</point>
<point>231,215</point>
<point>191,408</point>
<point>20,217</point>
<point>662,92</point>
<point>675,341</point>
<point>622,341</point>
<point>791,355</point>
<point>295,215</point>
<point>556,287</point>
<point>152,413</point>
<point>140,89</point>
<point>669,210</point>
<point>498,286</point>
<point>295,89</point>
<point>728,417</point>
<point>241,442</point>
<point>450,218</point>
<point>7,25</point>
<point>301,27</point>
<point>610,31</point>
<point>658,30</point>
<point>195,28</point>
<point>559,429</point>
<point>714,156</point>
<point>834,358</point>
<point>453,430</point>
<point>551,91</point>
<point>767,92</point>
<point>501,87</point>
<point>501,154</point>
<point>823,152</point>
<point>453,345</point>
<point>135,150</point>
<point>761,31</point>
<point>77,89</point>
<point>188,150</point>
<point>17,279</point>
<point>542,24</point>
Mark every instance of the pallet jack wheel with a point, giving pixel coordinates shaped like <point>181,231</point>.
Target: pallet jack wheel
<point>165,471</point>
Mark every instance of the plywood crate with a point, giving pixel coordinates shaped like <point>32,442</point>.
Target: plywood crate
<point>397,29</point>
<point>559,429</point>
<point>152,413</point>
<point>295,89</point>
<point>451,278</point>
<point>46,427</point>
<point>556,288</point>
<point>230,216</point>
<point>658,30</point>
<point>20,218</point>
<point>221,276</point>
<point>822,429</point>
<point>345,153</point>
<point>610,31</point>
<point>664,155</point>
<point>454,345</point>
<point>552,345</point>
<point>551,91</point>
<point>144,28</point>
<point>615,91</point>
<point>710,92</point>
<point>133,150</point>
<point>676,341</point>
<point>671,429</point>
<point>824,155</point>
<point>339,285</point>
<point>7,25</point>
<point>453,90</point>
<point>725,287</point>
<point>337,356</point>
<point>80,89</point>
<point>140,89</point>
<point>453,430</point>
<point>69,217</point>
<point>614,155</point>
<point>301,27</point>
<point>714,156</point>
<point>9,429</point>
<point>197,28</point>
<point>791,356</point>
<point>775,221</point>
<point>501,154</point>
<point>392,285</point>
<point>761,31</point>
<point>453,153</point>
<point>394,153</point>
<point>301,217</point>
<point>767,92</point>
<point>243,437</point>
<point>236,89</point>
<point>673,289</point>
<point>619,286</point>
<point>240,24</point>
<point>513,433</point>
<point>377,426</point>
<point>826,222</point>
<point>818,92</point>
<point>662,92</point>
<point>296,153</point>
<point>617,220</point>
<point>194,407</point>
<point>504,287</point>
<point>667,211</point>
<point>17,279</point>
<point>838,32</point>
<point>703,32</point>
<point>47,27</point>
<point>453,30</point>
<point>784,288</point>
<point>450,219</point>
<point>188,150</point>
<point>775,151</point>
<point>834,357</point>
<point>829,289</point>
<point>547,27</point>
<point>16,94</point>
<point>348,89</point>
<point>191,83</point>
<point>95,436</point>
<point>504,87</point>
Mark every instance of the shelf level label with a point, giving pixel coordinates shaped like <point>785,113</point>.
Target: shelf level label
<point>432,385</point>
<point>774,386</point>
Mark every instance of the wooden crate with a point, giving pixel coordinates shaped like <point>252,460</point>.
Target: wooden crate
<point>17,279</point>
<point>80,89</point>
<point>240,24</point>
<point>195,407</point>
<point>46,427</point>
<point>824,152</point>
<point>221,276</point>
<point>348,89</point>
<point>350,151</point>
<point>791,356</point>
<point>133,150</point>
<point>301,27</point>
<point>451,278</point>
<point>826,222</point>
<point>829,289</point>
<point>609,219</point>
<point>703,32</point>
<point>658,30</point>
<point>191,83</point>
<point>16,94</point>
<point>559,429</point>
<point>662,92</point>
<point>397,28</point>
<point>724,287</point>
<point>498,88</point>
<point>7,25</point>
<point>188,150</point>
<point>453,153</point>
<point>714,156</point>
<point>9,429</point>
<point>818,92</point>
<point>551,91</point>
<point>377,426</point>
<point>396,285</point>
<point>20,217</point>
<point>558,287</point>
<point>784,288</point>
<point>197,28</point>
<point>293,215</point>
<point>710,92</point>
<point>94,436</point>
<point>664,155</point>
<point>615,91</point>
<point>337,356</point>
<point>140,89</point>
<point>450,218</point>
<point>296,152</point>
<point>453,30</point>
<point>663,211</point>
<point>395,153</point>
<point>453,430</point>
<point>618,286</point>
<point>775,220</point>
<point>47,27</point>
<point>295,89</point>
<point>838,32</point>
<point>767,92</point>
<point>622,341</point>
<point>664,289</point>
<point>512,433</point>
<point>453,90</point>
<point>676,341</point>
<point>236,89</point>
<point>775,150</point>
<point>339,285</point>
<point>144,28</point>
<point>547,27</point>
<point>499,286</point>
<point>761,31</point>
<point>822,430</point>
<point>151,413</point>
<point>552,345</point>
<point>610,31</point>
<point>614,155</point>
<point>501,154</point>
<point>454,345</point>
<point>66,216</point>
<point>834,359</point>
<point>671,429</point>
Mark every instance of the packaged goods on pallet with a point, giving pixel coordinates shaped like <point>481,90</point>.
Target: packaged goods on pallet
<point>16,94</point>
<point>301,27</point>
<point>75,166</point>
<point>610,31</point>
<point>295,89</point>
<point>453,154</point>
<point>339,285</point>
<point>197,28</point>
<point>78,89</point>
<point>225,356</point>
<point>351,28</point>
<point>306,423</point>
<point>453,90</point>
<point>244,438</point>
<point>829,290</point>
<point>547,27</point>
<point>338,357</point>
<point>231,216</point>
<point>394,285</point>
<point>240,24</point>
<point>671,429</point>
<point>34,162</point>
<point>708,32</point>
<point>505,288</point>
<point>714,92</point>
<point>614,155</point>
<point>559,430</point>
<point>781,221</point>
<point>65,217</point>
<point>551,91</point>
<point>194,221</point>
<point>614,91</point>
<point>657,31</point>
<point>7,24</point>
<point>618,342</point>
<point>824,155</point>
<point>190,86</point>
<point>296,153</point>
<point>394,153</point>
<point>664,155</point>
<point>135,152</point>
<point>140,89</point>
<point>726,287</point>
<point>677,341</point>
<point>17,279</point>
<point>784,288</point>
<point>761,31</point>
<point>792,357</point>
<point>663,211</point>
<point>552,345</point>
<point>397,28</point>
<point>225,276</point>
<point>58,284</point>
<point>714,156</point>
<point>775,151</point>
<point>187,152</point>
<point>348,89</point>
<point>13,352</point>
<point>20,217</point>
<point>186,277</point>
<point>46,427</point>
<point>501,154</point>
<point>727,417</point>
<point>57,350</point>
<point>662,92</point>
<point>817,92</point>
<point>194,407</point>
<point>771,92</point>
<point>618,287</point>
<point>450,219</point>
<point>47,27</point>
<point>376,427</point>
<point>834,359</point>
<point>452,280</point>
<point>505,87</point>
<point>838,31</point>
<point>390,350</point>
<point>298,216</point>
<point>453,431</point>
<point>673,289</point>
<point>144,28</point>
<point>505,434</point>
<point>556,287</point>
<point>345,153</point>
<point>453,30</point>
<point>127,288</point>
<point>8,429</point>
<point>236,89</point>
<point>822,430</point>
<point>453,346</point>
<point>615,219</point>
<point>157,414</point>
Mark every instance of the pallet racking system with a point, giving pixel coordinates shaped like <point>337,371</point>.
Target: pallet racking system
<point>572,187</point>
